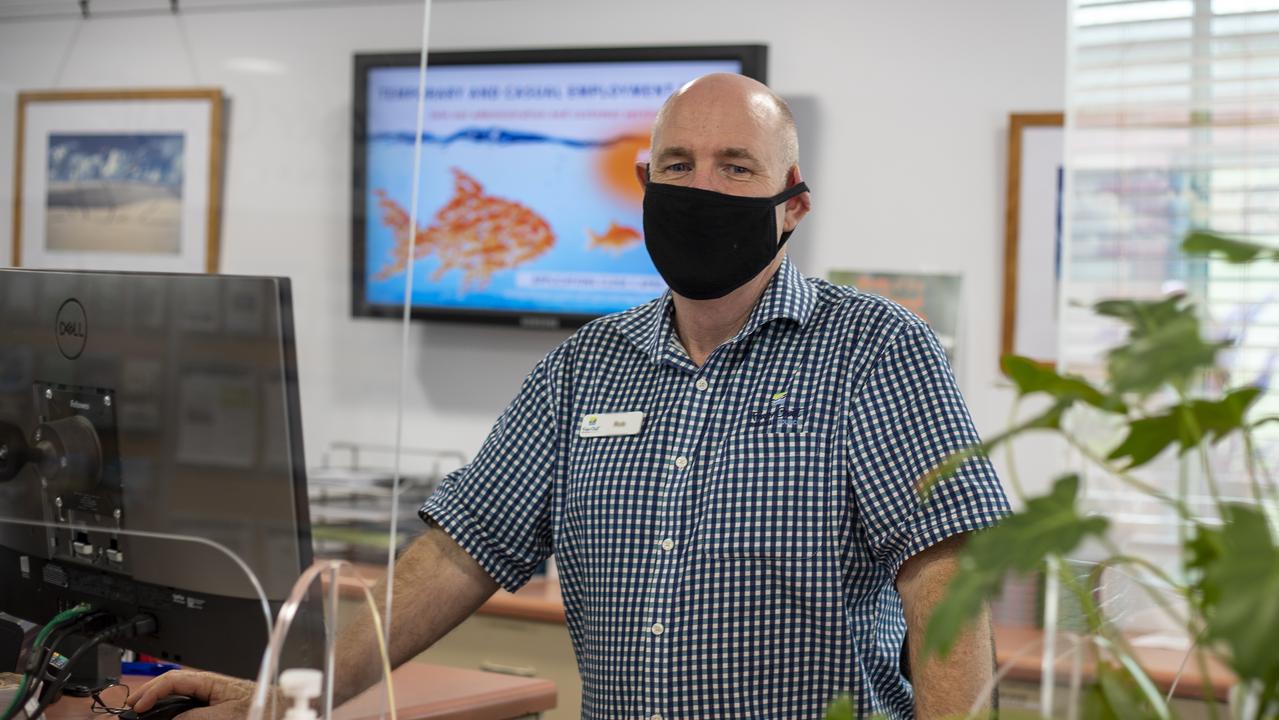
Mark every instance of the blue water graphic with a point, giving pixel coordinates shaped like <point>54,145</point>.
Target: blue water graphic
<point>496,136</point>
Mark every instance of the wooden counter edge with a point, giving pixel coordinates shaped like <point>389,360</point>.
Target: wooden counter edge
<point>526,696</point>
<point>1018,648</point>
<point>530,696</point>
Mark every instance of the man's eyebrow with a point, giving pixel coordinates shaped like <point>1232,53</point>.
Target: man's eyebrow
<point>673,152</point>
<point>737,153</point>
<point>728,153</point>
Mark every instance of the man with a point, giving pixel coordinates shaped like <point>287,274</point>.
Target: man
<point>727,475</point>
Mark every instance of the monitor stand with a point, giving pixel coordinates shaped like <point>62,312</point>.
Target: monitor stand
<point>97,669</point>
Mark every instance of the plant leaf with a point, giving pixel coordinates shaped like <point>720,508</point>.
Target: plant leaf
<point>841,708</point>
<point>1203,242</point>
<point>1049,525</point>
<point>1164,344</point>
<point>1203,550</point>
<point>1143,316</point>
<point>1222,417</point>
<point>1116,696</point>
<point>949,465</point>
<point>1186,424</point>
<point>1244,580</point>
<point>1146,438</point>
<point>1032,377</point>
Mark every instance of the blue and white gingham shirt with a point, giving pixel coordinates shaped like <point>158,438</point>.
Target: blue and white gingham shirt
<point>736,557</point>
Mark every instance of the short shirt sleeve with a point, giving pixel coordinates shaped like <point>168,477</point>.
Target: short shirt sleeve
<point>907,418</point>
<point>498,508</point>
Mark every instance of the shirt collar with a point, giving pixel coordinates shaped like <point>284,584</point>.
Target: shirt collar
<point>650,327</point>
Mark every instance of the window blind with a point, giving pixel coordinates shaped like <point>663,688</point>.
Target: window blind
<point>1172,123</point>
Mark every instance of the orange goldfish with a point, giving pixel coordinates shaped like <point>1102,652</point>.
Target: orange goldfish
<point>476,233</point>
<point>615,239</point>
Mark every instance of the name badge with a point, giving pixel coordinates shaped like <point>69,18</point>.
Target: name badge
<point>610,424</point>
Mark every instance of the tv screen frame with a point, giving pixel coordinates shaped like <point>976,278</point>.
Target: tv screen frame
<point>753,59</point>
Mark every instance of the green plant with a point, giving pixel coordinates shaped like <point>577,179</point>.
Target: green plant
<point>1228,581</point>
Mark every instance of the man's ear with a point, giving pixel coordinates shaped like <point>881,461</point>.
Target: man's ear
<point>641,173</point>
<point>798,206</point>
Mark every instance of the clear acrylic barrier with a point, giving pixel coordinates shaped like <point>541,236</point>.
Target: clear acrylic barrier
<point>331,571</point>
<point>203,416</point>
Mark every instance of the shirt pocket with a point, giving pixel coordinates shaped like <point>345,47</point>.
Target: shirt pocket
<point>771,496</point>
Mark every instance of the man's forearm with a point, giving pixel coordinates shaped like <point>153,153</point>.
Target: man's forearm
<point>950,687</point>
<point>947,686</point>
<point>437,586</point>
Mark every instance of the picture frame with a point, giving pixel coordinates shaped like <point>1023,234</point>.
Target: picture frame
<point>118,179</point>
<point>936,298</point>
<point>1033,235</point>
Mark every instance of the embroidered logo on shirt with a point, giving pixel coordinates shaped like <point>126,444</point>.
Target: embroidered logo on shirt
<point>782,414</point>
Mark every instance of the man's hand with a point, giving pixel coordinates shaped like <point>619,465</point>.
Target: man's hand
<point>228,698</point>
<point>944,687</point>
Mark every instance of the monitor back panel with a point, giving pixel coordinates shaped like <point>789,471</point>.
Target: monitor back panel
<point>189,384</point>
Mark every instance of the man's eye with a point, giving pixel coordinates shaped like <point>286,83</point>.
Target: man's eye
<point>677,167</point>
<point>738,170</point>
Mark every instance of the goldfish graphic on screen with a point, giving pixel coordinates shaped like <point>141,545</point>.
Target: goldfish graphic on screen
<point>476,233</point>
<point>616,239</point>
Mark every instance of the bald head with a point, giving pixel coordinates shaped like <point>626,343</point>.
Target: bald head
<point>736,93</point>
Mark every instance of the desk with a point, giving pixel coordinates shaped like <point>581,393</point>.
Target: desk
<point>422,692</point>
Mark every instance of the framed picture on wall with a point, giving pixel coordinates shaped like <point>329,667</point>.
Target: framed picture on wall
<point>934,297</point>
<point>1032,235</point>
<point>118,180</point>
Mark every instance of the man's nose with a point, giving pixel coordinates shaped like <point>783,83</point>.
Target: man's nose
<point>704,179</point>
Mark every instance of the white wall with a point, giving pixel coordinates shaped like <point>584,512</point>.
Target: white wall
<point>902,104</point>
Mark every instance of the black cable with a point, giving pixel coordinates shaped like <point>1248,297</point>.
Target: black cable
<point>41,664</point>
<point>51,683</point>
<point>137,625</point>
<point>37,660</point>
<point>47,674</point>
<point>38,669</point>
<point>140,624</point>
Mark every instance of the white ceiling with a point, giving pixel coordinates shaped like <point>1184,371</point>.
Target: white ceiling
<point>11,10</point>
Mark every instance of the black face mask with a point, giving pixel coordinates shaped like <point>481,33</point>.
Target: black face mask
<point>707,244</point>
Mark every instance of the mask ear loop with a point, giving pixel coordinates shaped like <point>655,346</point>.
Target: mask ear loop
<point>790,192</point>
<point>793,191</point>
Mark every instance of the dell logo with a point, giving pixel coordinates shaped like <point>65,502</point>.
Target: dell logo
<point>71,329</point>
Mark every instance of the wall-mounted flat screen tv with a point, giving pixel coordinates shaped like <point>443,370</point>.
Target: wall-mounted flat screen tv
<point>528,209</point>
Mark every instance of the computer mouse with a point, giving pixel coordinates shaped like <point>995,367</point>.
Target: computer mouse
<point>165,708</point>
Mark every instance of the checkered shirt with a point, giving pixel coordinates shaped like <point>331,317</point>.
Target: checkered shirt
<point>736,557</point>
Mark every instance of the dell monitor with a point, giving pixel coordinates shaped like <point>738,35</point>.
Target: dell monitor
<point>162,405</point>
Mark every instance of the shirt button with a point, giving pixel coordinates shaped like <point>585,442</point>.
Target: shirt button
<point>701,384</point>
<point>658,628</point>
<point>656,716</point>
<point>668,544</point>
<point>681,462</point>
